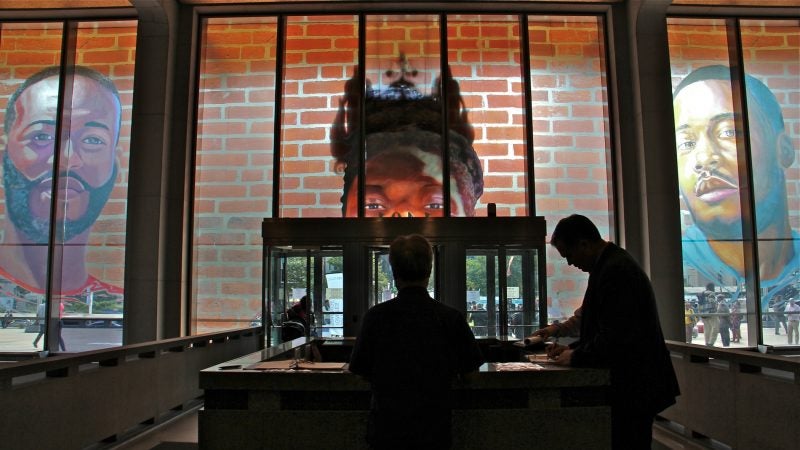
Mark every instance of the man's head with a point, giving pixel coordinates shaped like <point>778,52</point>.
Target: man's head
<point>403,153</point>
<point>411,258</point>
<point>578,240</point>
<point>707,152</point>
<point>87,166</point>
<point>304,302</point>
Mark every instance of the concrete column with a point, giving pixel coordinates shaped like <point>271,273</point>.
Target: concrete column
<point>648,178</point>
<point>155,285</point>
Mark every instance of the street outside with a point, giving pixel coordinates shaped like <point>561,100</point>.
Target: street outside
<point>76,339</point>
<point>770,338</point>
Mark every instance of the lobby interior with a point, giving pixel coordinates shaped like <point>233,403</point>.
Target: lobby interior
<point>229,114</point>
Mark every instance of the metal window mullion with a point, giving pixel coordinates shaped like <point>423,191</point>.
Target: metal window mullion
<point>745,161</point>
<point>491,307</point>
<point>502,278</point>
<point>278,113</point>
<point>525,60</point>
<point>362,115</point>
<point>54,250</point>
<point>266,298</point>
<point>444,76</point>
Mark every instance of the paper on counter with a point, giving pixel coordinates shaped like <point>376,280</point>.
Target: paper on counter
<point>517,366</point>
<point>542,358</point>
<point>308,365</point>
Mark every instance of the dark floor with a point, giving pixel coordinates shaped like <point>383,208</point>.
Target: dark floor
<point>180,433</point>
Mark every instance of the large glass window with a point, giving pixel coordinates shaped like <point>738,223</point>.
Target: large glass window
<point>379,96</point>
<point>737,136</point>
<point>321,56</point>
<point>234,169</point>
<point>66,132</point>
<point>571,139</point>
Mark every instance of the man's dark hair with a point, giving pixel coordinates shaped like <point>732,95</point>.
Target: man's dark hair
<point>757,92</point>
<point>411,258</point>
<point>572,229</point>
<point>55,71</point>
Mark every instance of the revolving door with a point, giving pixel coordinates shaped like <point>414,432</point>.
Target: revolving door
<point>490,268</point>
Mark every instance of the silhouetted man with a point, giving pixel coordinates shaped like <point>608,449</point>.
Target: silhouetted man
<point>619,330</point>
<point>411,383</point>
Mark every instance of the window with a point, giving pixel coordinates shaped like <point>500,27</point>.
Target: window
<point>234,167</point>
<point>523,100</point>
<point>63,226</point>
<point>737,135</point>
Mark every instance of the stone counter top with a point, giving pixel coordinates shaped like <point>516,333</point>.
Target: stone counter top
<point>551,406</point>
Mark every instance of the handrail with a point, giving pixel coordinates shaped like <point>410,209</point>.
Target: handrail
<point>730,396</point>
<point>111,356</point>
<point>747,356</point>
<point>119,391</point>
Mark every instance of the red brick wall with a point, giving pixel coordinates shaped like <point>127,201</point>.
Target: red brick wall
<point>108,47</point>
<point>571,138</point>
<point>233,170</point>
<point>321,55</point>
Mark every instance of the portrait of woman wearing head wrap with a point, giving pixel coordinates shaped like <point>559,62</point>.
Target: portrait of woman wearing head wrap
<point>403,158</point>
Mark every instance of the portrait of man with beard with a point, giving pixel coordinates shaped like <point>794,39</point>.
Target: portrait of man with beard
<point>81,180</point>
<point>708,173</point>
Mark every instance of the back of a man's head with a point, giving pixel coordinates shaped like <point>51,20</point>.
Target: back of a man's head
<point>411,258</point>
<point>572,229</point>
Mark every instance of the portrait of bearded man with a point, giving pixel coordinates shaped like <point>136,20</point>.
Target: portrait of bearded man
<point>81,180</point>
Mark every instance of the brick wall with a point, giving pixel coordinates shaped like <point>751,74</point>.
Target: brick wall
<point>234,165</point>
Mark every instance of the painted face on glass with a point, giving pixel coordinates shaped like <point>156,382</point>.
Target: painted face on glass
<point>708,169</point>
<point>707,155</point>
<point>404,182</point>
<point>88,158</point>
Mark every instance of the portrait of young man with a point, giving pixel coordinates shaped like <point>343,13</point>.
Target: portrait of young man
<point>76,187</point>
<point>707,130</point>
<point>404,161</point>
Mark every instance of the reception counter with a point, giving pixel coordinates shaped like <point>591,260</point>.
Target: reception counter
<point>270,399</point>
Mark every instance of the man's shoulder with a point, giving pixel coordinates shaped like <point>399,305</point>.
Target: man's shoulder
<point>615,258</point>
<point>447,309</point>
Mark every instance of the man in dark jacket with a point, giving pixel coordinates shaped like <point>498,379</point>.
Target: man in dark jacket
<point>411,383</point>
<point>620,330</point>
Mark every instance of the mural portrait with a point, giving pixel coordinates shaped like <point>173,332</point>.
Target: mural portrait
<point>404,158</point>
<point>73,190</point>
<point>709,161</point>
